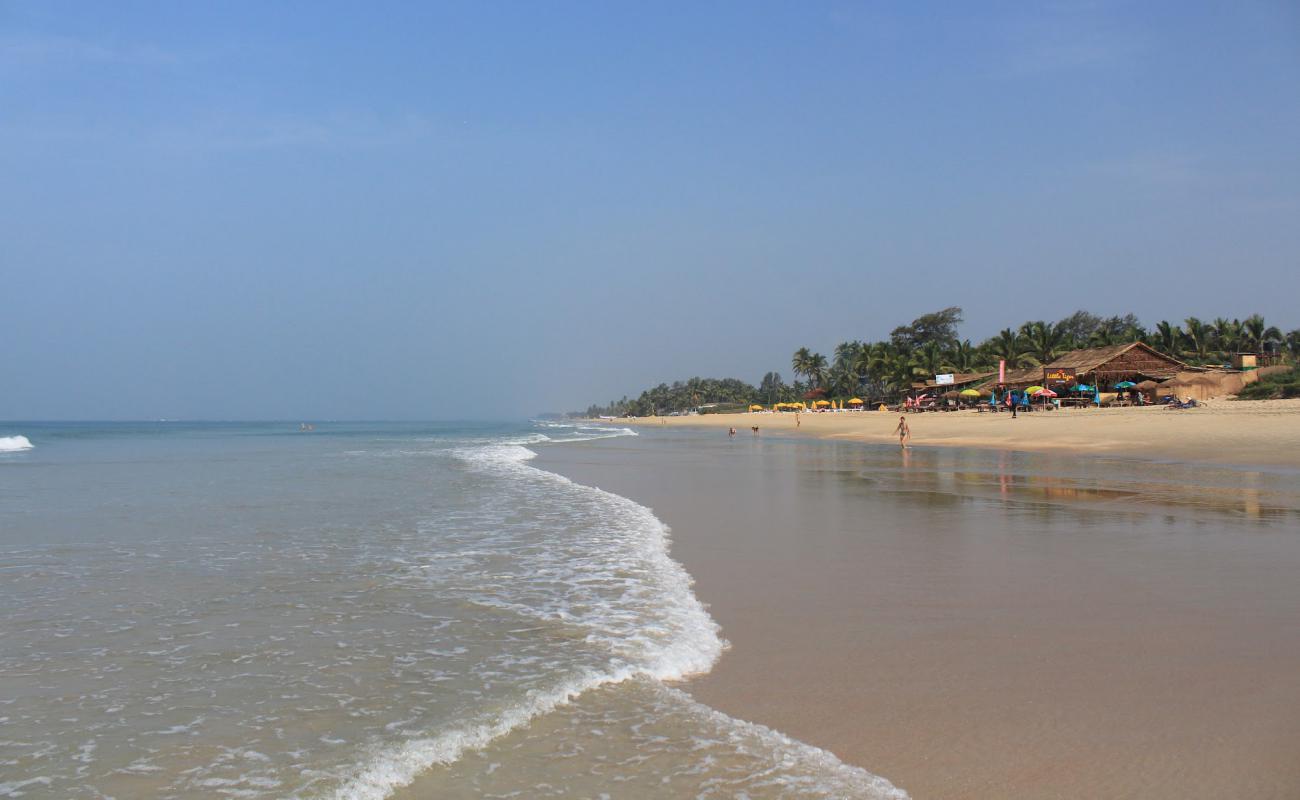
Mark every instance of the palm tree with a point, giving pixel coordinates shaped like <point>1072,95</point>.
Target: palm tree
<point>930,359</point>
<point>964,357</point>
<point>847,352</point>
<point>817,370</point>
<point>1261,337</point>
<point>843,379</point>
<point>1293,343</point>
<point>1227,336</point>
<point>1198,338</point>
<point>1168,338</point>
<point>1045,341</point>
<point>1010,347</point>
<point>801,361</point>
<point>899,370</point>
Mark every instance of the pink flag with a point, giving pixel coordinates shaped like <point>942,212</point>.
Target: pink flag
<point>1002,371</point>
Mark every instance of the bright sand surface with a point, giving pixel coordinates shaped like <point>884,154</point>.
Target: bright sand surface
<point>1224,431</point>
<point>979,623</point>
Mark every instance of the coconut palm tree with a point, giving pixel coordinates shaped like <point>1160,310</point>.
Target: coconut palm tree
<point>842,378</point>
<point>931,359</point>
<point>1010,347</point>
<point>817,370</point>
<point>1198,335</point>
<point>1227,336</point>
<point>1261,337</point>
<point>1044,340</point>
<point>1293,343</point>
<point>1168,338</point>
<point>801,361</point>
<point>964,357</point>
<point>847,352</point>
<point>899,370</point>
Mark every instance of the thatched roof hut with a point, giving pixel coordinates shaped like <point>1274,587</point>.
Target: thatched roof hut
<point>1116,362</point>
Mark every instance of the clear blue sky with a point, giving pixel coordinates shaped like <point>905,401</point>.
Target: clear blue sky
<point>320,210</point>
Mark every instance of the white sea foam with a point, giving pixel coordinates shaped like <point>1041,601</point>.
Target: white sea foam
<point>657,630</point>
<point>680,639</point>
<point>12,444</point>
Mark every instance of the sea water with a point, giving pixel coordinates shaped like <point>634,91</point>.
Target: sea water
<point>252,610</point>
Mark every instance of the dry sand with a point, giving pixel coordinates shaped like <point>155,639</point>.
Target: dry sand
<point>979,624</point>
<point>1265,432</point>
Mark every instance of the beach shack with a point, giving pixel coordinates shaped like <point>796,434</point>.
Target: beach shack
<point>1106,369</point>
<point>1094,370</point>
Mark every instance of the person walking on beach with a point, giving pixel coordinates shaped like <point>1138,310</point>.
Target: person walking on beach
<point>904,432</point>
<point>731,432</point>
<point>796,419</point>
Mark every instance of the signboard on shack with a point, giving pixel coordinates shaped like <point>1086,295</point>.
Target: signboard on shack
<point>1057,376</point>
<point>942,380</point>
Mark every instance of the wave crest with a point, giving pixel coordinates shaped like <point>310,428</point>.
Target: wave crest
<point>12,444</point>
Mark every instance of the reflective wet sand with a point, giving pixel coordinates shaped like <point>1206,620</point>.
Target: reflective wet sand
<point>985,623</point>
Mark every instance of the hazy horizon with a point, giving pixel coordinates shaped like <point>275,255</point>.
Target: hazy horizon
<point>321,211</point>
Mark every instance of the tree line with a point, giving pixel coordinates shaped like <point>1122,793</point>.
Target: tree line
<point>929,345</point>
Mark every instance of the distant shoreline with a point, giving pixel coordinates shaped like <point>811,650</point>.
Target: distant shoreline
<point>1235,432</point>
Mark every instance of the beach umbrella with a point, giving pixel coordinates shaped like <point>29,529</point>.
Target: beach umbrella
<point>1125,385</point>
<point>1082,387</point>
<point>1044,393</point>
<point>756,407</point>
<point>969,393</point>
<point>822,403</point>
<point>1033,389</point>
<point>855,402</point>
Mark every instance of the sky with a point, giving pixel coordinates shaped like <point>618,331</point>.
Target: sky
<point>488,210</point>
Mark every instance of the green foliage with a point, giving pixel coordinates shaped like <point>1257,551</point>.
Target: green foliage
<point>1273,387</point>
<point>683,396</point>
<point>939,326</point>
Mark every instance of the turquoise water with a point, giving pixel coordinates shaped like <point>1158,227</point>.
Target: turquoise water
<point>247,610</point>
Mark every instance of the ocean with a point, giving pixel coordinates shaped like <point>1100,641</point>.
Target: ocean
<point>254,611</point>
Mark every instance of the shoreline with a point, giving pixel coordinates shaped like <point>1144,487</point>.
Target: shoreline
<point>999,655</point>
<point>1264,433</point>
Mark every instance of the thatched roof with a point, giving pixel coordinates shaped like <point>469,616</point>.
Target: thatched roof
<point>1082,362</point>
<point>1016,378</point>
<point>959,379</point>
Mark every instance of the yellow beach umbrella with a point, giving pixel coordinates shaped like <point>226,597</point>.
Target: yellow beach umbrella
<point>1032,389</point>
<point>822,403</point>
<point>855,402</point>
<point>756,407</point>
<point>969,393</point>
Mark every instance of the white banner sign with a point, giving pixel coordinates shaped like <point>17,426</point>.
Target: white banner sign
<point>942,379</point>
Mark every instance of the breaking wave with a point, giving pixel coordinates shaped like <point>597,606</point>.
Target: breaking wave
<point>12,444</point>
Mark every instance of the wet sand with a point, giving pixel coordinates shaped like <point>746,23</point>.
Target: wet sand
<point>989,624</point>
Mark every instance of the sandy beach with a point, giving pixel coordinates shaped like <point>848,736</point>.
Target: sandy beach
<point>1265,432</point>
<point>980,623</point>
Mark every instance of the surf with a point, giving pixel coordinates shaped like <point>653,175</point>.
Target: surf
<point>13,444</point>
